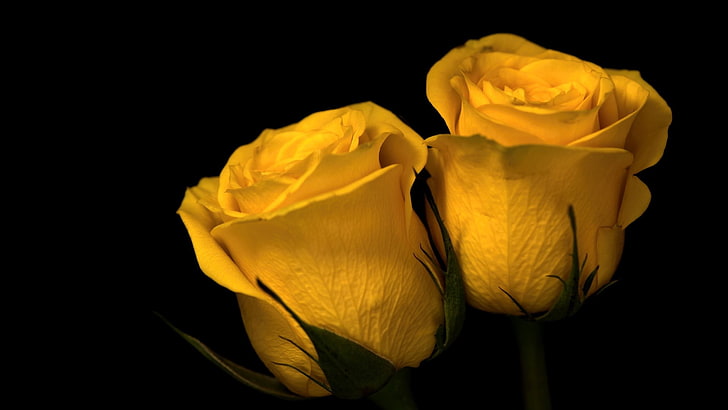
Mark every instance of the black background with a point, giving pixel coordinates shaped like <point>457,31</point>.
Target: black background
<point>168,94</point>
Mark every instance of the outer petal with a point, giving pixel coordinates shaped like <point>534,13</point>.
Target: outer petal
<point>402,145</point>
<point>610,244</point>
<point>648,135</point>
<point>272,333</point>
<point>506,211</point>
<point>199,221</point>
<point>346,262</point>
<point>636,198</point>
<point>629,98</point>
<point>610,240</point>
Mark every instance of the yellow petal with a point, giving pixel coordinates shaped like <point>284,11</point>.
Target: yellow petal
<point>478,122</point>
<point>506,211</point>
<point>508,43</point>
<point>402,145</point>
<point>346,262</point>
<point>339,121</point>
<point>332,172</point>
<point>610,240</point>
<point>227,182</point>
<point>587,80</point>
<point>648,135</point>
<point>257,197</point>
<point>610,244</point>
<point>272,333</point>
<point>212,258</point>
<point>637,197</point>
<point>553,127</point>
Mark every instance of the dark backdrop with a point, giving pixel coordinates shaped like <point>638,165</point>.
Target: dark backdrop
<point>180,89</point>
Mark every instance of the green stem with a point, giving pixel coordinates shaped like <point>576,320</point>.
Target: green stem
<point>396,394</point>
<point>534,376</point>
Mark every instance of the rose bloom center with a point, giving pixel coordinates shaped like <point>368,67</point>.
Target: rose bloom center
<point>523,88</point>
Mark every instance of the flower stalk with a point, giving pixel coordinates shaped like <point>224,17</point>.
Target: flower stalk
<point>534,375</point>
<point>397,394</point>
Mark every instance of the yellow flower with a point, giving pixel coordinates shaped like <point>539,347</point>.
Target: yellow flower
<point>532,132</point>
<point>320,213</point>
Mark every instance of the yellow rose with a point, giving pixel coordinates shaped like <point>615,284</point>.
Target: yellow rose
<point>532,132</point>
<point>320,213</point>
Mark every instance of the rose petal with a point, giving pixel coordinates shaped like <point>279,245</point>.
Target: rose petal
<point>272,333</point>
<point>402,145</point>
<point>241,156</point>
<point>213,259</point>
<point>332,172</point>
<point>648,135</point>
<point>506,211</point>
<point>478,122</point>
<point>346,262</point>
<point>610,244</point>
<point>508,43</point>
<point>637,197</point>
<point>555,127</point>
<point>630,97</point>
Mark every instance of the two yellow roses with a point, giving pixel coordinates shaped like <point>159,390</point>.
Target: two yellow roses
<point>316,218</point>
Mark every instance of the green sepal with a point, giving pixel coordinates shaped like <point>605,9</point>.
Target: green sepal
<point>352,371</point>
<point>261,382</point>
<point>454,302</point>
